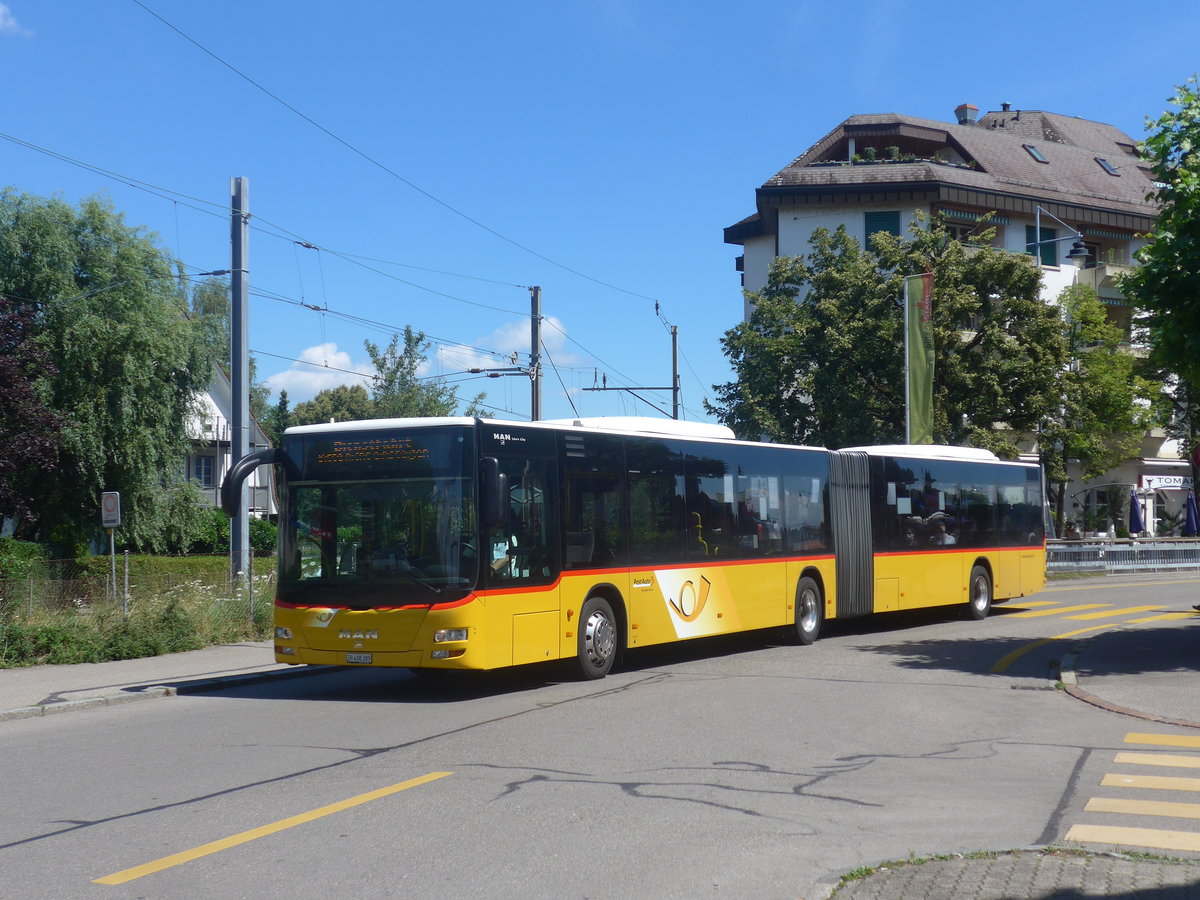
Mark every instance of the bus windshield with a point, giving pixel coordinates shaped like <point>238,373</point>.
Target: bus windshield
<point>378,518</point>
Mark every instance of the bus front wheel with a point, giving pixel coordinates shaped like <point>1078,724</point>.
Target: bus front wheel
<point>597,640</point>
<point>980,602</point>
<point>809,610</point>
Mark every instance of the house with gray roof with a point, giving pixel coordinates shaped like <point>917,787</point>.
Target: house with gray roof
<point>210,429</point>
<point>1041,178</point>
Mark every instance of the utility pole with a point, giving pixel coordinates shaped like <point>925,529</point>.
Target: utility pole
<point>674,388</point>
<point>535,354</point>
<point>675,372</point>
<point>534,369</point>
<point>239,280</point>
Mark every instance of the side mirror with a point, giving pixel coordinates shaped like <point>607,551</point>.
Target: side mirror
<point>493,500</point>
<point>231,487</point>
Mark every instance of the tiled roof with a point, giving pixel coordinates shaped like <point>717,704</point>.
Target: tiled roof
<point>1070,176</point>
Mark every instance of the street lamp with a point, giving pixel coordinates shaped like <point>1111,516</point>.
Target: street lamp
<point>1078,253</point>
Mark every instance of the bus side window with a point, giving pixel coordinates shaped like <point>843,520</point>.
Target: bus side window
<point>591,522</point>
<point>657,520</point>
<point>523,548</point>
<point>593,466</point>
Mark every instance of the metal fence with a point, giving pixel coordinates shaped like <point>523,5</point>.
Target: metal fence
<point>215,604</point>
<point>1122,556</point>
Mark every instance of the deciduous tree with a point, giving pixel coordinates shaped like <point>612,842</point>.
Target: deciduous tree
<point>29,449</point>
<point>1105,405</point>
<point>344,403</point>
<point>820,360</point>
<point>128,361</point>
<point>1166,285</point>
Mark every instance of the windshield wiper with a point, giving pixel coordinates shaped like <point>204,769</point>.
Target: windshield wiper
<point>421,581</point>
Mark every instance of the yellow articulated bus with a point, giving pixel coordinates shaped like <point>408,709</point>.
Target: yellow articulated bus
<point>460,543</point>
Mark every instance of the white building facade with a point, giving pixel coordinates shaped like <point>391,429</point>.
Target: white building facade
<point>211,433</point>
<point>1041,178</point>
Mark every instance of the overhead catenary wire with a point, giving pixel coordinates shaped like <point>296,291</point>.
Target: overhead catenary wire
<point>219,211</point>
<point>458,377</point>
<point>384,168</point>
<point>382,327</point>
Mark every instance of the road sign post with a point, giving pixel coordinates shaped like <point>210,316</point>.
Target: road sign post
<point>110,518</point>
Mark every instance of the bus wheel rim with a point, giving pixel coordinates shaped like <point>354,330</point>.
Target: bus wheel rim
<point>979,596</point>
<point>599,638</point>
<point>808,611</point>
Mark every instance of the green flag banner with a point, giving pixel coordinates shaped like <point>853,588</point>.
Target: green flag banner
<point>918,330</point>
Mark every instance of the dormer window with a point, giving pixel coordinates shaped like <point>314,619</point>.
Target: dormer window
<point>1107,166</point>
<point>1035,153</point>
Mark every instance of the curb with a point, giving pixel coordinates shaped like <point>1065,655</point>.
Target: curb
<point>1070,682</point>
<point>887,878</point>
<point>154,691</point>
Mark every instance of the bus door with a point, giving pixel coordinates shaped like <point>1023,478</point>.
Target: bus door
<point>520,552</point>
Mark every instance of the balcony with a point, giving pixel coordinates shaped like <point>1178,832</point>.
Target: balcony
<point>1105,275</point>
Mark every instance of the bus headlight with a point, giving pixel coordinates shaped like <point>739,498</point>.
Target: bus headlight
<point>450,634</point>
<point>283,634</point>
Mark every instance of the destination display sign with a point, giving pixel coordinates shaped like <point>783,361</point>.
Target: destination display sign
<point>375,449</point>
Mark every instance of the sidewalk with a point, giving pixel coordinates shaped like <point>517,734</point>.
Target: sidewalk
<point>1029,875</point>
<point>1151,674</point>
<point>1154,675</point>
<point>46,690</point>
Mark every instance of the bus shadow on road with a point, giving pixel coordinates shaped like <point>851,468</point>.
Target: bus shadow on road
<point>384,685</point>
<point>349,684</point>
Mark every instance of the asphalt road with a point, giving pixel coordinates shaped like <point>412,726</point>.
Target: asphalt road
<point>730,768</point>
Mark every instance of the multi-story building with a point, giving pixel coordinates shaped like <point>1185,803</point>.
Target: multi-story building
<point>1044,178</point>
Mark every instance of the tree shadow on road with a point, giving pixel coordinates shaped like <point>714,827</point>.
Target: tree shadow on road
<point>1131,650</point>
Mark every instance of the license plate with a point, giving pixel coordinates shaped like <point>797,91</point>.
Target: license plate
<point>359,658</point>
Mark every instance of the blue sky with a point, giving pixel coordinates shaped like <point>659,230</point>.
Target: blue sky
<point>467,150</point>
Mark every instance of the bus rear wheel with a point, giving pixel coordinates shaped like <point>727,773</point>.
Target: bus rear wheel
<point>597,639</point>
<point>809,610</point>
<point>979,604</point>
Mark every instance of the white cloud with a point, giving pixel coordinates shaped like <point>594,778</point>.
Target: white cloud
<point>321,367</point>
<point>9,23</point>
<point>508,338</point>
<point>325,366</point>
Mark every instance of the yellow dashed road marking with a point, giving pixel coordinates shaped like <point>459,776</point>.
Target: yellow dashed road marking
<point>1038,613</point>
<point>1116,612</point>
<point>1008,659</point>
<point>177,859</point>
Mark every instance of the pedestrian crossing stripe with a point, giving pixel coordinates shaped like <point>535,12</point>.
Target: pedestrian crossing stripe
<point>1152,782</point>
<point>1165,617</point>
<point>1163,740</point>
<point>1116,612</point>
<point>1038,613</point>
<point>1144,807</point>
<point>1159,759</point>
<point>1152,838</point>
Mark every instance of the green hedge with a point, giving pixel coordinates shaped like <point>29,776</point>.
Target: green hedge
<point>21,559</point>
<point>215,566</point>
